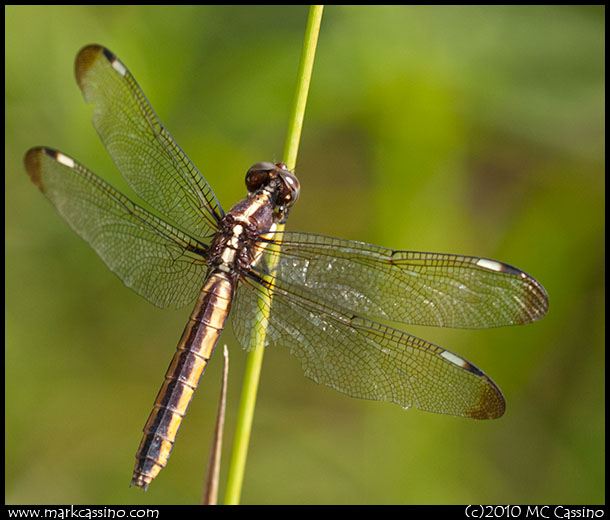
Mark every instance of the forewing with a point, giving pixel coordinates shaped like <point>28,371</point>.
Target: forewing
<point>407,287</point>
<point>143,150</point>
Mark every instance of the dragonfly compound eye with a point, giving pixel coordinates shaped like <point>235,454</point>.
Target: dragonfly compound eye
<point>291,188</point>
<point>258,175</point>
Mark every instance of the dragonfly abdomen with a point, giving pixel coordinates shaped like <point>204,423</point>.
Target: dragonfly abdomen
<point>230,254</point>
<point>182,377</point>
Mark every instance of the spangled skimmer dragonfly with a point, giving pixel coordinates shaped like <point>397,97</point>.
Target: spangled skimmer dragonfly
<point>325,292</point>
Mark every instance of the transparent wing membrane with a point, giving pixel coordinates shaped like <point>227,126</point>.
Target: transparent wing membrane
<point>145,153</point>
<point>408,287</point>
<point>326,292</point>
<point>365,359</point>
<point>158,261</point>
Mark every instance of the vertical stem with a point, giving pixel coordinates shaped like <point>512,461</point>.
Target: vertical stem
<point>212,474</point>
<point>297,114</point>
<point>255,356</point>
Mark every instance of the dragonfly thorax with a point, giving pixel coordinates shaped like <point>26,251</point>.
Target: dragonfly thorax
<point>233,248</point>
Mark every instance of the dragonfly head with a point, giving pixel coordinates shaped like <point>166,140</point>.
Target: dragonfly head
<point>279,181</point>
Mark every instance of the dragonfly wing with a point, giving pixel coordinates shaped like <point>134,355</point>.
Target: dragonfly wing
<point>143,150</point>
<point>407,287</point>
<point>362,358</point>
<point>158,261</point>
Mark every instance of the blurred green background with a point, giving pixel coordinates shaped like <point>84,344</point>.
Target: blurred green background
<point>472,130</point>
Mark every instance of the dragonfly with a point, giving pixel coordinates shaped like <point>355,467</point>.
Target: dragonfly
<point>324,298</point>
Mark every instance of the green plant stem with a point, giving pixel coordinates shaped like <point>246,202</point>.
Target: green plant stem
<point>255,356</point>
